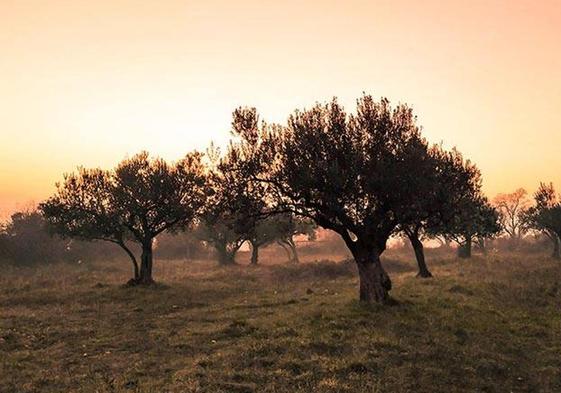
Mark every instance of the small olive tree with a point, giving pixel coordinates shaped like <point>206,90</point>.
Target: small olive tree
<point>288,226</point>
<point>545,215</point>
<point>233,212</point>
<point>453,208</point>
<point>83,208</point>
<point>137,201</point>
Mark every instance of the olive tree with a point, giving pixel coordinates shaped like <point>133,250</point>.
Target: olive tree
<point>24,240</point>
<point>288,226</point>
<point>218,231</point>
<point>476,220</point>
<point>545,215</point>
<point>266,231</point>
<point>280,228</point>
<point>357,174</point>
<point>452,187</point>
<point>83,208</point>
<point>232,214</point>
<point>141,198</point>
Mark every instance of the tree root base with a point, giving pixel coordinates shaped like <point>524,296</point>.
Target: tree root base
<point>135,282</point>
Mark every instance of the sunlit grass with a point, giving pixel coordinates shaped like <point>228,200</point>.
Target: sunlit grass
<point>490,324</point>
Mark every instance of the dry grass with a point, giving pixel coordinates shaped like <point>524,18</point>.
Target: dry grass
<point>491,324</point>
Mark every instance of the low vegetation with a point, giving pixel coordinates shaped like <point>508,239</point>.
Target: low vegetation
<point>489,324</point>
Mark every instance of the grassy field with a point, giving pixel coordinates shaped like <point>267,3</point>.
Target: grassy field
<point>492,324</point>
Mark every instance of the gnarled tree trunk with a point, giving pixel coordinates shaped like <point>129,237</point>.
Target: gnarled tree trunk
<point>375,283</point>
<point>417,245</point>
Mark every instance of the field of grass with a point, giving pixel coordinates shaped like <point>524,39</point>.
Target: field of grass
<point>492,324</point>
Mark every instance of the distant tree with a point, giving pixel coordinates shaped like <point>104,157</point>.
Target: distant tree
<point>180,244</point>
<point>4,246</point>
<point>140,199</point>
<point>477,220</point>
<point>452,187</point>
<point>545,215</point>
<point>511,208</point>
<point>443,241</point>
<point>232,212</point>
<point>464,214</point>
<point>279,228</point>
<point>290,226</point>
<point>357,175</point>
<point>24,240</point>
<point>218,231</point>
<point>238,210</point>
<point>266,231</point>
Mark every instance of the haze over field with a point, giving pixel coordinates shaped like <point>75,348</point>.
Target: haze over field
<point>87,83</point>
<point>280,196</point>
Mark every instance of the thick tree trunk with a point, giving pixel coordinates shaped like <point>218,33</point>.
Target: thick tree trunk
<point>464,251</point>
<point>146,264</point>
<point>419,255</point>
<point>556,249</point>
<point>375,283</point>
<point>254,254</point>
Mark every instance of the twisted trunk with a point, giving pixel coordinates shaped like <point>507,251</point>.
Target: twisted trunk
<point>417,245</point>
<point>375,283</point>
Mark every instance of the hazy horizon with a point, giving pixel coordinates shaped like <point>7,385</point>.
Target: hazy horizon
<point>87,84</point>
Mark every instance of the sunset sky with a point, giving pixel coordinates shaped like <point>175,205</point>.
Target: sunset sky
<point>90,82</point>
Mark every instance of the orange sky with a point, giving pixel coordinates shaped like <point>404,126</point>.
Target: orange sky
<point>88,82</point>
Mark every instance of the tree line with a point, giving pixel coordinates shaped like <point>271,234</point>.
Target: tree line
<point>368,176</point>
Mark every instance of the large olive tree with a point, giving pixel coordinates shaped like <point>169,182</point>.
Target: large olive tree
<point>357,174</point>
